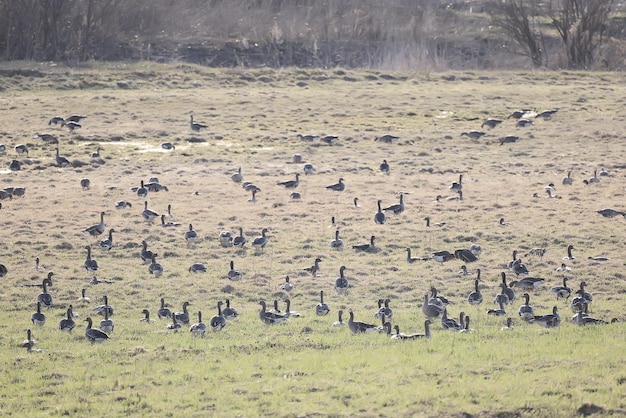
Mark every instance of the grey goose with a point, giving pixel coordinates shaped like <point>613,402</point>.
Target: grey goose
<point>218,321</point>
<point>269,318</point>
<point>322,307</point>
<point>548,321</point>
<point>260,242</point>
<point>473,134</point>
<point>370,247</point>
<point>384,167</point>
<point>398,208</point>
<point>312,270</point>
<point>229,312</point>
<point>400,336</point>
<point>337,187</point>
<point>379,217</point>
<point>290,184</point>
<point>67,324</point>
<point>154,268</point>
<point>287,286</point>
<point>491,122</point>
<point>107,244</point>
<point>341,283</point>
<point>94,335</point>
<point>107,325</point>
<point>60,160</point>
<point>90,264</point>
<point>38,318</point>
<point>196,127</point>
<point>337,243</point>
<point>97,229</point>
<point>475,297</point>
<point>164,311</point>
<point>360,327</point>
<point>184,315</point>
<point>526,311</point>
<point>148,214</point>
<point>199,328</point>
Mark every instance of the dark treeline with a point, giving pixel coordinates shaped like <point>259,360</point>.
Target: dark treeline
<point>392,34</point>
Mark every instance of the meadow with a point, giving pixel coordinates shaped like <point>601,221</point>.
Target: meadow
<point>306,366</point>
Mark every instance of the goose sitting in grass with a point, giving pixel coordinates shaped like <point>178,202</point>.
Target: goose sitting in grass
<point>526,311</point>
<point>506,289</point>
<point>586,295</point>
<point>429,309</point>
<point>322,308</point>
<point>67,324</point>
<point>175,326</point>
<point>38,318</point>
<point>287,286</point>
<point>384,167</point>
<point>497,312</point>
<point>197,268</point>
<point>442,256</point>
<point>183,316</point>
<point>107,244</point>
<point>168,224</point>
<point>502,297</point>
<point>450,323</point>
<point>527,283</point>
<point>239,241</point>
<point>475,297</point>
<point>196,127</point>
<point>226,239</point>
<point>341,283</point>
<point>199,328</point>
<point>269,318</point>
<point>44,297</point>
<point>288,312</point>
<point>83,298</point>
<point>94,335</point>
<point>562,291</point>
<point>410,259</point>
<point>29,342</point>
<point>105,307</point>
<point>337,243</point>
<point>233,273</point>
<point>611,213</point>
<point>146,317</point>
<point>163,311</point>
<point>583,317</point>
<point>90,264</point>
<point>148,214</point>
<point>340,186</point>
<point>548,321</point>
<point>229,312</point>
<point>156,269</point>
<point>400,336</point>
<point>360,327</point>
<point>218,321</point>
<point>339,322</point>
<point>106,325</point>
<point>465,255</point>
<point>290,184</point>
<point>508,326</point>
<point>370,248</point>
<point>578,303</point>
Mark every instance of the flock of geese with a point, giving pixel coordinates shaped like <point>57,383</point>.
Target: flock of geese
<point>435,306</point>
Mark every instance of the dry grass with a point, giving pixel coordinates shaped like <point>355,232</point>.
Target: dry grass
<point>254,118</point>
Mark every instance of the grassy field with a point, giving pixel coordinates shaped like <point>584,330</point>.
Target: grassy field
<point>305,366</point>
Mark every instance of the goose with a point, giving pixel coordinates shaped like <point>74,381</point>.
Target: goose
<point>163,311</point>
<point>296,158</point>
<point>473,134</point>
<point>437,299</point>
<point>475,297</point>
<point>337,187</point>
<point>146,317</point>
<point>233,274</point>
<point>96,153</point>
<point>75,118</point>
<point>563,267</point>
<point>240,240</point>
<point>358,327</point>
<point>38,318</point>
<point>594,179</point>
<point>4,194</point>
<point>174,326</point>
<point>464,271</point>
<point>269,318</point>
<point>60,160</point>
<point>56,120</point>
<point>519,113</point>
<point>339,322</point>
<point>330,139</point>
<point>497,312</point>
<point>611,213</point>
<point>197,268</point>
<point>67,324</point>
<point>356,203</point>
<point>599,258</point>
<point>428,224</point>
<point>15,165</point>
<point>380,217</point>
<point>260,242</point>
<point>106,325</point>
<point>522,123</point>
<point>29,342</point>
<point>506,289</point>
<point>337,243</point>
<point>218,321</point>
<point>384,167</point>
<point>287,286</point>
<point>107,244</point>
<point>146,254</point>
<point>476,249</point>
<point>156,269</point>
<point>578,303</point>
<point>516,265</point>
<point>450,323</point>
<point>314,268</point>
<point>237,177</point>
<point>366,247</point>
<point>122,204</point>
<point>148,214</point>
<point>508,139</point>
<point>387,138</point>
<point>295,195</point>
<point>94,335</point>
<point>569,253</point>
<point>168,224</point>
<point>290,184</point>
<point>508,326</point>
<point>442,256</point>
<point>526,311</point>
<point>548,321</point>
<point>196,127</point>
<point>562,291</point>
<point>21,149</point>
<point>83,298</point>
<point>458,197</point>
<point>379,311</point>
<point>567,181</point>
<point>385,311</point>
<point>90,264</point>
<point>502,297</point>
<point>400,336</point>
<point>289,313</point>
<point>465,255</point>
<point>168,146</point>
<point>184,315</point>
<point>604,173</point>
<point>586,295</point>
<point>97,229</point>
<point>396,209</point>
<point>142,190</point>
<point>3,148</point>
<point>48,138</point>
<point>457,186</point>
<point>527,283</point>
<point>105,307</point>
<point>199,328</point>
<point>191,236</point>
<point>583,318</point>
<point>490,122</point>
<point>552,196</point>
<point>546,114</point>
<point>85,183</point>
<point>44,297</point>
<point>308,138</point>
<point>429,309</point>
<point>322,308</point>
<point>229,313</point>
<point>410,259</point>
<point>309,169</point>
<point>502,222</point>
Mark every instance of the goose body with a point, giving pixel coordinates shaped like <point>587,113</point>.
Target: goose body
<point>229,312</point>
<point>309,169</point>
<point>168,224</point>
<point>239,240</point>
<point>526,311</point>
<point>568,181</point>
<point>322,308</point>
<point>287,286</point>
<point>380,217</point>
<point>183,316</point>
<point>21,149</point>
<point>456,186</point>
<point>400,336</point>
<point>288,312</point>
<point>199,328</point>
<point>384,167</point>
<point>145,255</point>
<point>107,244</point>
<point>450,323</point>
<point>197,268</point>
<point>97,229</point>
<point>337,187</point>
<point>38,318</point>
<point>106,325</point>
<point>611,213</point>
<point>410,259</point>
<point>475,297</point>
<point>29,342</point>
<point>146,317</point>
<point>360,327</point>
<point>60,160</point>
<point>290,184</point>
<point>562,291</point>
<point>548,321</point>
<point>175,326</point>
<point>226,239</point>
<point>45,298</point>
<point>337,243</point>
<point>83,298</point>
<point>196,127</point>
<point>260,242</point>
<point>339,322</point>
<point>389,139</point>
<point>15,165</point>
<point>473,134</point>
<point>569,253</point>
<point>94,335</point>
<point>218,321</point>
<point>270,318</point>
<point>442,256</point>
<point>163,311</point>
<point>56,120</point>
<point>465,255</point>
<point>237,177</point>
<point>528,283</point>
<point>148,214</point>
<point>191,236</point>
<point>234,274</point>
<point>122,204</point>
<point>491,122</point>
<point>429,309</point>
<point>156,269</point>
<point>510,293</point>
<point>90,264</point>
<point>314,268</point>
<point>497,312</point>
<point>341,283</point>
<point>67,324</point>
<point>366,247</point>
<point>398,208</point>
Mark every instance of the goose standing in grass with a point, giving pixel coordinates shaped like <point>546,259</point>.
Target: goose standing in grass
<point>94,335</point>
<point>337,243</point>
<point>569,253</point>
<point>526,311</point>
<point>67,324</point>
<point>548,321</point>
<point>229,312</point>
<point>339,322</point>
<point>288,312</point>
<point>60,160</point>
<point>518,267</point>
<point>44,297</point>
<point>429,309</point>
<point>312,270</point>
<point>269,318</point>
<point>578,303</point>
<point>508,326</point>
<point>287,286</point>
<point>107,244</point>
<point>457,186</point>
<point>97,229</point>
<point>38,318</point>
<point>218,321</point>
<point>510,293</point>
<point>594,179</point>
<point>450,323</point>
<point>56,120</point>
<point>164,312</point>
<point>233,274</point>
<point>400,336</point>
<point>237,177</point>
<point>191,236</point>
<point>29,342</point>
<point>380,217</point>
<point>370,247</point>
<point>105,307</point>
<point>21,149</point>
<point>199,328</point>
<point>322,308</point>
<point>239,241</point>
<point>567,181</point>
<point>502,297</point>
<point>384,167</point>
<point>156,269</point>
<point>562,291</point>
<point>90,263</point>
<point>106,325</point>
<point>475,297</point>
<point>196,127</point>
<point>148,214</point>
<point>341,283</point>
<point>197,268</point>
<point>146,254</point>
<point>473,134</point>
<point>359,327</point>
<point>398,208</point>
<point>226,239</point>
<point>142,190</point>
<point>260,242</point>
<point>175,326</point>
<point>586,295</point>
<point>184,315</point>
<point>309,169</point>
<point>146,317</point>
<point>337,187</point>
<point>290,184</point>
